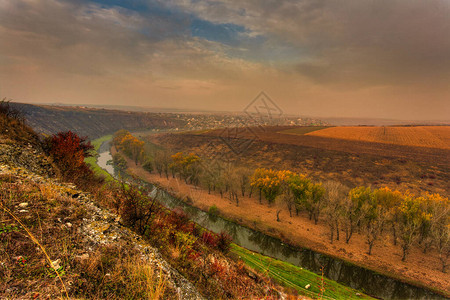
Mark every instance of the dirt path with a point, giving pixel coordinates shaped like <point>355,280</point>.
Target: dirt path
<point>300,231</point>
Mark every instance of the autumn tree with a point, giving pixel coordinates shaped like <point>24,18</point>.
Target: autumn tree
<point>187,166</point>
<point>268,182</point>
<point>68,151</point>
<point>286,195</point>
<point>376,212</point>
<point>132,147</point>
<point>162,162</point>
<point>411,217</point>
<point>177,164</point>
<point>300,186</point>
<point>353,210</point>
<point>335,193</point>
<point>118,136</point>
<point>440,228</point>
<point>257,182</point>
<point>315,201</point>
<point>434,205</point>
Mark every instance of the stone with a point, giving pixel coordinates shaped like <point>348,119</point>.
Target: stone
<point>83,257</point>
<point>56,264</point>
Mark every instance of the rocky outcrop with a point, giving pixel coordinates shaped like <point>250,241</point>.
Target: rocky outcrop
<point>99,227</point>
<point>26,157</point>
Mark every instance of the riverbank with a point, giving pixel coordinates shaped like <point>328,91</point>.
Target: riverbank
<point>92,160</point>
<point>419,269</point>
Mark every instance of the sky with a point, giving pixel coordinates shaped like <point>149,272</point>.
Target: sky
<point>347,58</point>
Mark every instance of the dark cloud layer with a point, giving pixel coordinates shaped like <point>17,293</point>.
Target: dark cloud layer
<point>321,57</point>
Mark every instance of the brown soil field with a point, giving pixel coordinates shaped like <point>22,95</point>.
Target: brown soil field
<point>419,136</point>
<point>353,163</point>
<point>300,231</point>
<point>274,134</point>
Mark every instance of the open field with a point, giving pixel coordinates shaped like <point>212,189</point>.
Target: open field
<point>352,163</point>
<point>419,136</point>
<point>274,134</point>
<point>303,130</point>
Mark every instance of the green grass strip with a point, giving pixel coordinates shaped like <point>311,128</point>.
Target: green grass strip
<point>92,161</point>
<point>296,277</point>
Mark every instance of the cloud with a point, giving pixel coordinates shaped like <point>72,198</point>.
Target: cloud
<point>309,54</point>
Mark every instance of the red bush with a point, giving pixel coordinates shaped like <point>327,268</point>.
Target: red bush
<point>209,239</point>
<point>224,242</point>
<point>68,151</point>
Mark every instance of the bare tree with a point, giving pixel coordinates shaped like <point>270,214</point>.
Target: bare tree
<point>335,194</point>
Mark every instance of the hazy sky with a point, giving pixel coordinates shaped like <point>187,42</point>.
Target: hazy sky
<point>377,58</point>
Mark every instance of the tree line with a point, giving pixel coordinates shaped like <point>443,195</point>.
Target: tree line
<point>375,213</point>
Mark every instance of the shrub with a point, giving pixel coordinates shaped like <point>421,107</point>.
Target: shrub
<point>148,166</point>
<point>213,212</point>
<point>68,151</point>
<point>224,242</point>
<point>210,239</point>
<point>178,218</point>
<point>11,112</point>
<point>119,161</point>
<point>12,124</point>
<point>136,208</point>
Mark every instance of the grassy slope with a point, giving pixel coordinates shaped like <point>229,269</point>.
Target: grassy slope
<point>296,277</point>
<point>92,161</point>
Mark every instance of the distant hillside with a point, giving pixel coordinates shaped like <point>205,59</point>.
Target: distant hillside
<point>92,122</point>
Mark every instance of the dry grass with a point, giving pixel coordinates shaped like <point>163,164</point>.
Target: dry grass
<point>40,253</point>
<point>419,136</point>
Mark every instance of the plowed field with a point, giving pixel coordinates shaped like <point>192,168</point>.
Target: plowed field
<point>419,136</point>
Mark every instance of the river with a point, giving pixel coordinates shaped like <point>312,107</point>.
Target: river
<point>368,281</point>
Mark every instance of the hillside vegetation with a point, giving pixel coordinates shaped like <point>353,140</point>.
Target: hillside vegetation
<point>91,122</point>
<point>375,226</point>
<point>94,240</point>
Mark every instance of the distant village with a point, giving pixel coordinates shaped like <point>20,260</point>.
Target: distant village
<point>212,121</point>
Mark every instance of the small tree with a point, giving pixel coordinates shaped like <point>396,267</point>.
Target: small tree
<point>411,217</point>
<point>243,175</point>
<point>136,208</point>
<point>353,211</point>
<point>286,196</point>
<point>315,201</point>
<point>148,165</point>
<point>440,229</point>
<point>300,186</point>
<point>268,182</point>
<point>68,151</point>
<point>335,192</point>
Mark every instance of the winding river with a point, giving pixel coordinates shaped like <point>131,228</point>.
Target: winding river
<point>370,282</point>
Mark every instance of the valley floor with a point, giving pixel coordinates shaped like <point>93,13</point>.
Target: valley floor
<point>421,269</point>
